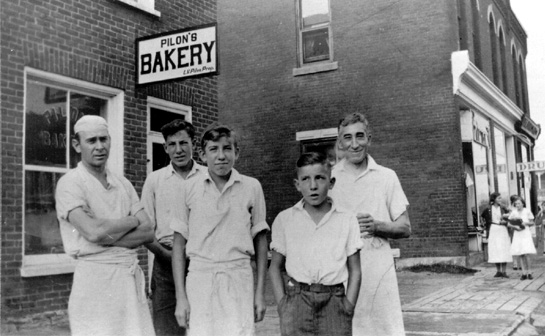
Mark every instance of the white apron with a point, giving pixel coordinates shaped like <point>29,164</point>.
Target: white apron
<point>108,297</point>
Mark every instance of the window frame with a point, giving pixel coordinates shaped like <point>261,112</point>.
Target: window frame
<point>315,66</point>
<point>50,264</point>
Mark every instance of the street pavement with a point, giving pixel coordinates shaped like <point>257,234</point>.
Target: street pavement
<point>440,305</point>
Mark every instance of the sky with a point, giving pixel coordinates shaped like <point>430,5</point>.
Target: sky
<point>530,16</point>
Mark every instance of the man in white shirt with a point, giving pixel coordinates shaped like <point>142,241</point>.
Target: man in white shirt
<point>374,194</point>
<point>102,223</point>
<point>159,196</point>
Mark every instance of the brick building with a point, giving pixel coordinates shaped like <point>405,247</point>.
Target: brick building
<point>62,60</point>
<point>442,82</point>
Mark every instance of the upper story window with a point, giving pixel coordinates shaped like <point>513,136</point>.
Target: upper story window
<point>476,31</point>
<point>145,5</point>
<point>516,77</point>
<point>494,50</point>
<point>53,104</point>
<point>503,62</point>
<point>315,45</point>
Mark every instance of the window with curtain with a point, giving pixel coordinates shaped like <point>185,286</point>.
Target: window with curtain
<point>314,31</point>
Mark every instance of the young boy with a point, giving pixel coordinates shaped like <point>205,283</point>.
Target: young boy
<point>220,224</point>
<point>319,243</point>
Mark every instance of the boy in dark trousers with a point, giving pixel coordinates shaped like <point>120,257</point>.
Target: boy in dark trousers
<point>319,244</point>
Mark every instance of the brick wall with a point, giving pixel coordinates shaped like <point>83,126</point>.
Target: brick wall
<point>394,65</point>
<point>91,41</point>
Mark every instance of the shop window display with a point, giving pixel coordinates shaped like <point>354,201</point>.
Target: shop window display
<point>50,115</point>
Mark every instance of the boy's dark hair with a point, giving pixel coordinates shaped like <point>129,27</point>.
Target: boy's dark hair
<point>353,118</point>
<point>215,131</point>
<point>312,158</point>
<point>176,126</point>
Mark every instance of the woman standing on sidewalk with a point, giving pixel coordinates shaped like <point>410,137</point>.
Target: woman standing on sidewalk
<point>498,237</point>
<point>523,243</point>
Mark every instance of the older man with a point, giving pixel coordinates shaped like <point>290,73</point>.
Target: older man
<point>102,222</point>
<point>374,193</point>
<point>160,196</point>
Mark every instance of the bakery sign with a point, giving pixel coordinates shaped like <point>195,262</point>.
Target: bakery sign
<point>177,54</point>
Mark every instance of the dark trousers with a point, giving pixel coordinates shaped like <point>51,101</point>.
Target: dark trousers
<point>312,311</point>
<point>163,298</point>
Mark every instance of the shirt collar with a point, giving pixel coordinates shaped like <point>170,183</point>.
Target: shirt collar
<point>371,165</point>
<point>194,170</point>
<point>301,204</point>
<point>87,175</point>
<point>235,177</point>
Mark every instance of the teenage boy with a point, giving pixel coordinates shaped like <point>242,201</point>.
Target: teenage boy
<point>319,243</point>
<point>159,197</point>
<point>374,193</point>
<point>220,224</point>
<point>102,223</point>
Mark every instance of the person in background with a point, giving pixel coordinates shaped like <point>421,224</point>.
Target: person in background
<point>375,195</point>
<point>499,243</point>
<point>102,223</point>
<point>220,224</point>
<point>522,244</point>
<point>319,243</point>
<point>159,197</point>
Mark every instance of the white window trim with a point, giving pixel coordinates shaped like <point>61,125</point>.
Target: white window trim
<point>324,133</point>
<point>50,264</point>
<point>144,5</point>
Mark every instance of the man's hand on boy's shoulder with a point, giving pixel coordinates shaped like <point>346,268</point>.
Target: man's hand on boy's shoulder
<point>259,307</point>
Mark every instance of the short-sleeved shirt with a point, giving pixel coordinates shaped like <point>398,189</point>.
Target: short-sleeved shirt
<point>220,226</point>
<point>316,253</point>
<point>159,197</point>
<point>376,191</point>
<point>78,188</point>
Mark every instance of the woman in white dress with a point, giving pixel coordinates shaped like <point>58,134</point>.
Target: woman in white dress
<point>499,242</point>
<point>522,244</point>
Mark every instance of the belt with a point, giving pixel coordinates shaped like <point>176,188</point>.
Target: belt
<point>316,288</point>
<point>166,246</point>
<point>498,224</point>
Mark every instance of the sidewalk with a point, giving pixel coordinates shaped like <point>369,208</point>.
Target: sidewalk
<point>443,305</point>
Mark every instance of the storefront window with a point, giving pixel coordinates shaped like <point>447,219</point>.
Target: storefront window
<point>501,165</point>
<point>50,115</point>
<point>482,178</point>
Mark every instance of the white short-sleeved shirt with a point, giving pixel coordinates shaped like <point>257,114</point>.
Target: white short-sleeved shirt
<point>159,197</point>
<point>79,188</point>
<point>376,191</point>
<point>220,226</point>
<point>316,253</point>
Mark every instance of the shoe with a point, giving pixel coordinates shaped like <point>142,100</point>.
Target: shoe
<point>498,275</point>
<point>516,268</point>
<point>530,277</point>
<point>523,277</point>
<point>504,275</point>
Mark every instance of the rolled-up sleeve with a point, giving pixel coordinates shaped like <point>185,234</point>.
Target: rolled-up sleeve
<point>68,196</point>
<point>354,242</point>
<point>179,221</point>
<point>148,199</point>
<point>258,211</point>
<point>397,201</point>
<point>278,242</point>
